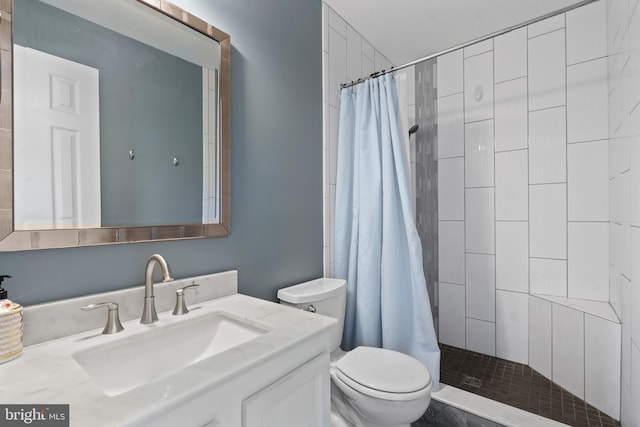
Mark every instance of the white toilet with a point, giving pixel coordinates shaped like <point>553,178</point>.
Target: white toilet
<point>369,386</point>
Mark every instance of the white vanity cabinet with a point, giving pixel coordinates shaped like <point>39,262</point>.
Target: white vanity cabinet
<point>279,377</point>
<point>299,399</point>
<point>280,393</point>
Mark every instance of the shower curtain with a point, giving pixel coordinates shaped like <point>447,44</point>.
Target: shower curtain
<point>377,247</point>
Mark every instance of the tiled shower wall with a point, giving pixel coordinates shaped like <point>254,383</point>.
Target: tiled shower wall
<point>623,48</point>
<point>426,175</point>
<point>346,56</point>
<point>538,212</point>
<point>551,209</point>
<point>523,178</point>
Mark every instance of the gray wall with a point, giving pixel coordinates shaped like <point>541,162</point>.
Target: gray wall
<point>276,209</point>
<point>150,101</point>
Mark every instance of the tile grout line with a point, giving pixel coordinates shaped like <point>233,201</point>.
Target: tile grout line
<point>495,207</point>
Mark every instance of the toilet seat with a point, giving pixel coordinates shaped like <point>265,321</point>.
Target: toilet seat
<point>383,374</point>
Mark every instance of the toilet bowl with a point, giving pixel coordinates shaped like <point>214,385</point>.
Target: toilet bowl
<point>370,387</point>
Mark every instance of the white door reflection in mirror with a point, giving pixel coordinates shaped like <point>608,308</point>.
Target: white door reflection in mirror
<point>57,142</point>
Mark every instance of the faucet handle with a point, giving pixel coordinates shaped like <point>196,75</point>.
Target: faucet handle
<point>113,325</point>
<point>181,307</point>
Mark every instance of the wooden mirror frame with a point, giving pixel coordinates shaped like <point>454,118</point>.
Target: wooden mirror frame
<point>13,240</point>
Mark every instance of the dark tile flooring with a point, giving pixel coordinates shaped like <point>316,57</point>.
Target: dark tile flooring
<point>516,385</point>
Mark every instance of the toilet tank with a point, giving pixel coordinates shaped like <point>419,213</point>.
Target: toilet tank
<point>327,296</point>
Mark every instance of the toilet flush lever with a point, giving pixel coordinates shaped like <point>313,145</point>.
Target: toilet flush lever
<point>181,307</point>
<point>310,308</point>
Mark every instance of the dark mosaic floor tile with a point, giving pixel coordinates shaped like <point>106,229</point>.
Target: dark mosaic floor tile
<point>517,385</point>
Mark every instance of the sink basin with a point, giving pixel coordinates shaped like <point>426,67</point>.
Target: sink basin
<point>131,361</point>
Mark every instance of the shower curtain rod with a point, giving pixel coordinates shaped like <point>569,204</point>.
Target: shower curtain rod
<point>469,43</point>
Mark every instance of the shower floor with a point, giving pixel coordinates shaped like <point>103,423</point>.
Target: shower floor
<point>516,385</point>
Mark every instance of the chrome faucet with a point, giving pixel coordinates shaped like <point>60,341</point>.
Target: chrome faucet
<point>149,314</point>
<point>113,325</point>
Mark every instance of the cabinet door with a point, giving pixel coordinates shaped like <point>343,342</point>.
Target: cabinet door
<point>299,399</point>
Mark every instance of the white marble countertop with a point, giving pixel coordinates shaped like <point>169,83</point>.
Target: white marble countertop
<point>46,373</point>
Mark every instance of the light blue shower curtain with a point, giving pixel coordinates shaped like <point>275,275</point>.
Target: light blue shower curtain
<point>377,248</point>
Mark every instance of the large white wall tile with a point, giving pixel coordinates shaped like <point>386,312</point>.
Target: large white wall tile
<point>568,349</point>
<point>403,108</point>
<point>588,181</point>
<point>380,62</point>
<point>618,93</point>
<point>479,154</point>
<point>368,67</point>
<point>587,96</point>
<point>481,287</point>
<point>588,262</point>
<point>548,221</point>
<point>325,89</point>
<point>587,32</point>
<point>480,220</point>
<point>617,15</point>
<point>635,288</point>
<point>634,419</point>
<point>620,237</point>
<point>451,314</point>
<point>512,256</point>
<point>512,326</point>
<point>337,23</point>
<point>512,184</point>
<point>478,48</point>
<point>602,364</point>
<point>547,70</point>
<point>548,146</point>
<point>450,75</point>
<point>451,126</point>
<point>481,336</point>
<point>332,220</point>
<point>634,181</point>
<point>451,189</point>
<point>478,84</point>
<point>634,25</point>
<point>615,233</point>
<point>510,52</point>
<point>334,118</point>
<point>625,318</point>
<point>511,115</point>
<point>354,54</point>
<point>633,101</point>
<point>546,25</point>
<point>451,252</point>
<point>337,64</point>
<point>615,282</point>
<point>625,404</point>
<point>410,73</point>
<point>619,156</point>
<point>548,277</point>
<point>367,49</point>
<point>540,336</point>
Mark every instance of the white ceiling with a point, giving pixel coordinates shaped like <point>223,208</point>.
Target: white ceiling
<point>405,30</point>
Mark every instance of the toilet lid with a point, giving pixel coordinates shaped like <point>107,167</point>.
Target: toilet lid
<point>384,370</point>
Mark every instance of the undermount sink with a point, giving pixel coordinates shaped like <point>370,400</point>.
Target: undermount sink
<point>131,361</point>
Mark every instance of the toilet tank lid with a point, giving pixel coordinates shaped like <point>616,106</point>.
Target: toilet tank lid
<point>313,290</point>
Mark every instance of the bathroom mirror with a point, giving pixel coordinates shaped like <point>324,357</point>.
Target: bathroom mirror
<point>114,124</point>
